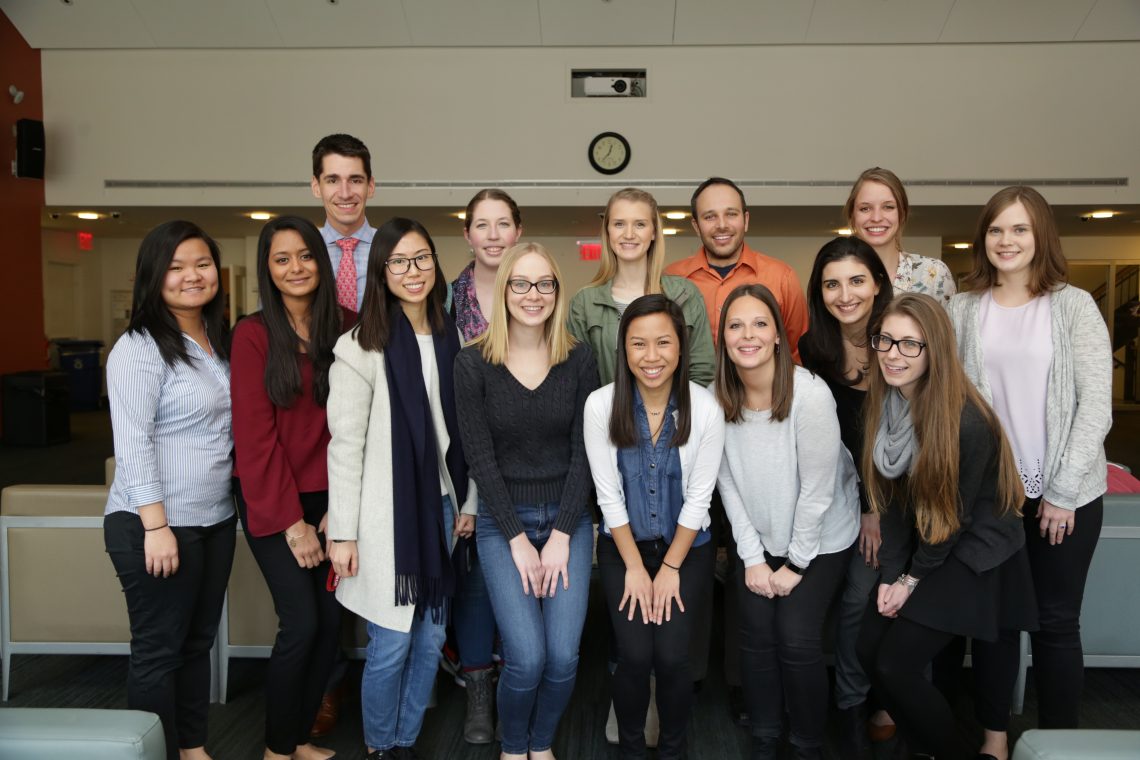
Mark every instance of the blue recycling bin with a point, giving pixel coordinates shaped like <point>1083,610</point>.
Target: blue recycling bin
<point>79,359</point>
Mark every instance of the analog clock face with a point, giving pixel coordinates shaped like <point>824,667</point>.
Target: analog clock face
<point>609,153</point>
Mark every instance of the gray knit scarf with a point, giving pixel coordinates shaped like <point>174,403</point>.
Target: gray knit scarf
<point>895,444</point>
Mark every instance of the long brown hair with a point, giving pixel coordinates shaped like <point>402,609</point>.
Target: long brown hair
<point>936,409</point>
<point>1048,269</point>
<point>728,385</point>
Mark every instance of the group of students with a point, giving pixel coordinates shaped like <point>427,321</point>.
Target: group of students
<point>429,458</point>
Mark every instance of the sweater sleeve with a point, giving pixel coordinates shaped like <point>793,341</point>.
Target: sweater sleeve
<point>817,456</point>
<point>351,385</point>
<point>578,476</point>
<point>701,481</point>
<point>898,542</point>
<point>748,544</point>
<point>267,485</point>
<point>478,444</point>
<point>603,458</point>
<point>1092,374</point>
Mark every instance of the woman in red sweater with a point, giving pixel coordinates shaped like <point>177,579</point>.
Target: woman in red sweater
<point>279,383</point>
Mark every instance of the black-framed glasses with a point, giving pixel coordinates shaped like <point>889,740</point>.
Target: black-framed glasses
<point>911,349</point>
<point>522,287</point>
<point>425,262</point>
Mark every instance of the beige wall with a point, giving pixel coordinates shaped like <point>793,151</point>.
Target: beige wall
<point>489,115</point>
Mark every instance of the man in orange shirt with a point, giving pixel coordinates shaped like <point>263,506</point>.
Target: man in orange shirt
<point>725,262</point>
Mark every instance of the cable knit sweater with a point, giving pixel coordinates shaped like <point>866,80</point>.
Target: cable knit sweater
<point>1079,400</point>
<point>525,446</point>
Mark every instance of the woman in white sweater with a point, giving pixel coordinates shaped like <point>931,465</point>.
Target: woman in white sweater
<point>391,409</point>
<point>654,441</point>
<point>1037,348</point>
<point>789,488</point>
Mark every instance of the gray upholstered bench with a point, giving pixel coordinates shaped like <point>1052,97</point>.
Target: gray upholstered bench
<point>1086,744</point>
<point>51,733</point>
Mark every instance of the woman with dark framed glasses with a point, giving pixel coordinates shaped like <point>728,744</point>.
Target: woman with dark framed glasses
<point>521,390</point>
<point>397,480</point>
<point>1038,349</point>
<point>939,471</point>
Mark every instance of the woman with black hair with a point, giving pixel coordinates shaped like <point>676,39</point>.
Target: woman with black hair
<point>849,287</point>
<point>169,520</point>
<point>397,479</point>
<point>654,442</point>
<point>279,386</point>
<point>789,489</point>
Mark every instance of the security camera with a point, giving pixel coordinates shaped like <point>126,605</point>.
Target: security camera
<point>116,214</point>
<point>53,215</point>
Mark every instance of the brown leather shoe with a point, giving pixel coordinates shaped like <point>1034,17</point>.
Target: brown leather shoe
<point>328,712</point>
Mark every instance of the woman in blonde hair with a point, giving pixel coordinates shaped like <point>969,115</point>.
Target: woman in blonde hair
<point>876,210</point>
<point>633,257</point>
<point>1038,350</point>
<point>520,391</point>
<point>940,472</point>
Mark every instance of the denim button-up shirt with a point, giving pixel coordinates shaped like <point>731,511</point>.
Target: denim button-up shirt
<point>651,479</point>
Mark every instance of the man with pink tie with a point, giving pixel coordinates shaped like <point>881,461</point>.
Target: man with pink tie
<point>342,179</point>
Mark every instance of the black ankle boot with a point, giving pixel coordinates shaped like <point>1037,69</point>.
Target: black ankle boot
<point>765,748</point>
<point>853,741</point>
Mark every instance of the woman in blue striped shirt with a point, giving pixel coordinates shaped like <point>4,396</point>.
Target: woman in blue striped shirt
<point>169,521</point>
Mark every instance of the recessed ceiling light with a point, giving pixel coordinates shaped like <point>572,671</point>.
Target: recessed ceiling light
<point>88,215</point>
<point>676,215</point>
<point>844,231</point>
<point>460,215</point>
<point>260,216</point>
<point>961,246</point>
<point>669,231</point>
<point>1102,214</point>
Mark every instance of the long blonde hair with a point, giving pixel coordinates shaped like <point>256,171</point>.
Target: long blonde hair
<point>494,341</point>
<point>608,265</point>
<point>936,409</point>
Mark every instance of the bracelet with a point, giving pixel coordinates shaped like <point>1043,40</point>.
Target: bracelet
<point>907,580</point>
<point>292,539</point>
<point>159,527</point>
<point>795,568</point>
<point>671,567</point>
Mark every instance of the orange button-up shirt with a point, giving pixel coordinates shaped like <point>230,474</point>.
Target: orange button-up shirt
<point>752,267</point>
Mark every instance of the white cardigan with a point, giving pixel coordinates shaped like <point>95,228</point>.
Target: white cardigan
<point>360,482</point>
<point>700,457</point>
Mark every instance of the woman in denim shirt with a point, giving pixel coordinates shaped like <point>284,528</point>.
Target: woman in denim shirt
<point>654,441</point>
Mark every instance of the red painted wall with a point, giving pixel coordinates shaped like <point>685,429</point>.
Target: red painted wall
<point>22,338</point>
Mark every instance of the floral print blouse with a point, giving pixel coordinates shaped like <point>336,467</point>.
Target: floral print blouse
<point>921,274</point>
<point>465,305</point>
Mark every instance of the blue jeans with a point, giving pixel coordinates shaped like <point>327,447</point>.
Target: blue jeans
<point>540,636</point>
<point>474,620</point>
<point>399,672</point>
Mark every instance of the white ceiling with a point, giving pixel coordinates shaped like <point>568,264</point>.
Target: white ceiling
<point>94,24</point>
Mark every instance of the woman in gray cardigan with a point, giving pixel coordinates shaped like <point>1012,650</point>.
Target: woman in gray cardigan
<point>1038,350</point>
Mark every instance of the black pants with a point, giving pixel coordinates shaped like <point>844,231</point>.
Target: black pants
<point>173,622</point>
<point>994,672</point>
<point>894,654</point>
<point>1059,574</point>
<point>307,633</point>
<point>661,649</point>
<point>781,650</point>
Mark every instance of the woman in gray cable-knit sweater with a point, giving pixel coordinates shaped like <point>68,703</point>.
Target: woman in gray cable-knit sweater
<point>1038,350</point>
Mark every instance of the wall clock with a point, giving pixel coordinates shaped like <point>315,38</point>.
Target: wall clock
<point>609,153</point>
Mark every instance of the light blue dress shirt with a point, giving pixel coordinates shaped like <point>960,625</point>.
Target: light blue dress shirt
<point>359,256</point>
<point>172,431</point>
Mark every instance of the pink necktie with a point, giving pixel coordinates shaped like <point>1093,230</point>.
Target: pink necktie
<point>346,274</point>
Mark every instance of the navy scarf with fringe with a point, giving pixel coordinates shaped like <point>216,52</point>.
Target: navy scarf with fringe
<point>425,572</point>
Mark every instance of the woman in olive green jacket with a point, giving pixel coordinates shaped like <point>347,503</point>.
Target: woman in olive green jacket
<point>633,256</point>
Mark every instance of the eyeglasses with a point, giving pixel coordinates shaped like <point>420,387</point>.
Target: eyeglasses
<point>911,349</point>
<point>522,287</point>
<point>425,262</point>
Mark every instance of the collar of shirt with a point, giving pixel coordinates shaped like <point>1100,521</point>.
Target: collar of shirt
<point>700,261</point>
<point>364,234</point>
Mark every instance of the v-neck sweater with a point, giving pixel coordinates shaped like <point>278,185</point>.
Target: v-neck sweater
<point>523,445</point>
